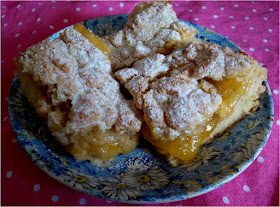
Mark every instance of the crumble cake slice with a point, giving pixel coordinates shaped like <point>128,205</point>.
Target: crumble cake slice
<point>69,82</point>
<point>152,27</point>
<point>192,94</point>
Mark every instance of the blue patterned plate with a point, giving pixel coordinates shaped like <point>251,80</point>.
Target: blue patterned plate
<point>141,176</point>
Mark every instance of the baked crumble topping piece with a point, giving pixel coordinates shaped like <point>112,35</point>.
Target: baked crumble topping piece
<point>173,107</point>
<point>152,27</point>
<point>70,84</point>
<point>206,60</point>
<point>192,94</point>
<point>138,78</point>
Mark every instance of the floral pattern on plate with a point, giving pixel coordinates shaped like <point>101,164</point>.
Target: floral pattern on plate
<point>142,176</point>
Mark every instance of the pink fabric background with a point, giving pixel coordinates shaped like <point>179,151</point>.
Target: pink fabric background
<point>253,26</point>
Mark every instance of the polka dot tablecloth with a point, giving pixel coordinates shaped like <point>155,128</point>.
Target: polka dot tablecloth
<point>253,26</point>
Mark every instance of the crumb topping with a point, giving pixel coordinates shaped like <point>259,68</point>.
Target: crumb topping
<point>174,105</point>
<point>77,77</point>
<point>152,28</point>
<point>206,60</point>
<point>174,91</point>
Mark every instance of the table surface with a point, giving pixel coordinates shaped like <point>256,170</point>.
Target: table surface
<point>254,26</point>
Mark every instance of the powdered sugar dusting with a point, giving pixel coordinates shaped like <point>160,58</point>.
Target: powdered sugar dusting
<point>206,60</point>
<point>152,27</point>
<point>173,91</point>
<point>177,104</point>
<point>80,90</point>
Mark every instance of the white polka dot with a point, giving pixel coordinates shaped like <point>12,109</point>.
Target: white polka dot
<point>19,46</point>
<point>39,19</point>
<point>235,5</point>
<point>267,50</point>
<point>215,16</point>
<point>5,25</point>
<point>264,40</point>
<point>189,10</point>
<point>36,187</point>
<point>252,49</point>
<point>54,7</point>
<point>2,61</point>
<point>225,199</point>
<point>254,10</point>
<point>55,198</point>
<point>196,19</point>
<point>51,27</point>
<point>109,201</point>
<point>33,32</point>
<point>246,188</point>
<point>232,27</point>
<point>261,64</point>
<point>7,98</point>
<point>121,4</point>
<point>212,26</point>
<point>78,9</point>
<point>16,35</point>
<point>270,9</point>
<point>6,116</point>
<point>251,28</point>
<point>176,4</point>
<point>33,10</point>
<point>244,40</point>
<point>247,18</point>
<point>275,91</point>
<point>94,5</point>
<point>40,4</point>
<point>20,23</point>
<point>265,18</point>
<point>231,17</point>
<point>203,7</point>
<point>18,6</point>
<point>260,159</point>
<point>222,8</point>
<point>14,140</point>
<point>65,20</point>
<point>3,16</point>
<point>110,9</point>
<point>4,7</point>
<point>270,30</point>
<point>82,201</point>
<point>9,174</point>
<point>278,122</point>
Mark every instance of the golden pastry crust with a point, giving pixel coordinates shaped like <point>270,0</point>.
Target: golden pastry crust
<point>173,107</point>
<point>74,90</point>
<point>152,27</point>
<point>194,93</point>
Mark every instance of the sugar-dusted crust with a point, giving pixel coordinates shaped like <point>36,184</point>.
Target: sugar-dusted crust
<point>189,88</point>
<point>173,106</point>
<point>70,84</point>
<point>152,27</point>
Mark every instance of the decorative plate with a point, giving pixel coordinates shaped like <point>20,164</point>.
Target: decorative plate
<point>141,176</point>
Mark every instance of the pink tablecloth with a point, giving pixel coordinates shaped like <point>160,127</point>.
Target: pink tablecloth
<point>253,26</point>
